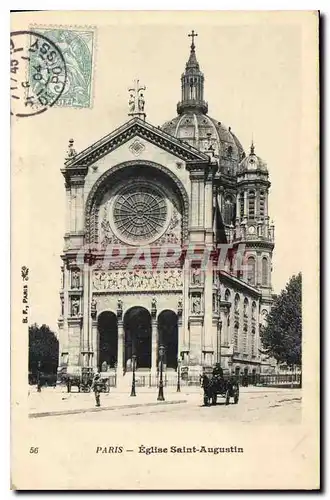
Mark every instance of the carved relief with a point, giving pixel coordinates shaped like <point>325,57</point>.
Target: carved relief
<point>137,280</point>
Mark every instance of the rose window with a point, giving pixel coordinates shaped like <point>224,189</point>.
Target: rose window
<point>140,213</point>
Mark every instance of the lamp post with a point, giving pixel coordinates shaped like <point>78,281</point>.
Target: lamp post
<point>161,383</point>
<point>133,375</point>
<point>178,386</point>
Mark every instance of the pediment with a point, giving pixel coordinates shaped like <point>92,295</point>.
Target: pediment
<point>131,129</point>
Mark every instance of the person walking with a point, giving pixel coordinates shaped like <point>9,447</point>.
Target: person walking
<point>96,387</point>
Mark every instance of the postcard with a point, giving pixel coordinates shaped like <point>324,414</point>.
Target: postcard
<point>165,250</point>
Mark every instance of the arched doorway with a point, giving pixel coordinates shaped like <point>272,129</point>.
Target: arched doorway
<point>168,336</point>
<point>137,326</point>
<point>108,340</point>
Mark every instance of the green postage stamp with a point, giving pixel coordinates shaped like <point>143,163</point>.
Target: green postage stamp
<point>77,48</point>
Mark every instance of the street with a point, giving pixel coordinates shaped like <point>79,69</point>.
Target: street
<point>256,405</point>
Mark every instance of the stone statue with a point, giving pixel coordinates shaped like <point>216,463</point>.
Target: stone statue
<point>104,366</point>
<point>131,103</point>
<point>75,280</point>
<point>196,276</point>
<point>75,307</point>
<point>180,303</point>
<point>119,305</point>
<point>196,304</point>
<point>154,303</point>
<point>141,102</point>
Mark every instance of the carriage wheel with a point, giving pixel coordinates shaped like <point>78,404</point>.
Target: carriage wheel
<point>227,397</point>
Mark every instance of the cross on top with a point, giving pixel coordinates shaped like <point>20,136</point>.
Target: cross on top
<point>193,34</point>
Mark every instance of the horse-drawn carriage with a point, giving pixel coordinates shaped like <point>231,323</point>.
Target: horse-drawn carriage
<point>83,381</point>
<point>217,384</point>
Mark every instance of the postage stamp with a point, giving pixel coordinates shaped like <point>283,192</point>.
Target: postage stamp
<point>77,47</point>
<point>37,73</point>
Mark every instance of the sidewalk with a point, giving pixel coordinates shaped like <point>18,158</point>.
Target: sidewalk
<point>59,402</point>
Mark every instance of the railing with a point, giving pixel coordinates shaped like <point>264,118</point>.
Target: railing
<point>276,380</point>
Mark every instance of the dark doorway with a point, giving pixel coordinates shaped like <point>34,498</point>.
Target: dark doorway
<point>168,336</point>
<point>108,340</point>
<point>137,325</point>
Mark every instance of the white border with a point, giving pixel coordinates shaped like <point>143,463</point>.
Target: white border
<point>323,5</point>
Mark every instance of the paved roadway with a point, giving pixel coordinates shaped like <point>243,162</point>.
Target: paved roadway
<point>282,406</point>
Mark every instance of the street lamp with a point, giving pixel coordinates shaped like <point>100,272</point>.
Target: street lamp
<point>178,386</point>
<point>133,375</point>
<point>161,384</point>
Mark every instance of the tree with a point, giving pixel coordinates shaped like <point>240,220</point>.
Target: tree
<point>43,348</point>
<point>281,338</point>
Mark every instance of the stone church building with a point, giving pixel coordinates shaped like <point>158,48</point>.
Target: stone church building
<point>150,211</point>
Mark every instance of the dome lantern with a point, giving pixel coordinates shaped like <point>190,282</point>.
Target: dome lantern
<point>192,84</point>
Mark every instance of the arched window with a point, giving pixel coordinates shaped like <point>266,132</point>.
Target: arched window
<point>254,310</point>
<point>227,295</point>
<point>241,204</point>
<point>228,210</point>
<point>264,271</point>
<point>262,203</point>
<point>237,303</point>
<point>236,327</point>
<point>251,205</point>
<point>251,270</point>
<point>246,305</point>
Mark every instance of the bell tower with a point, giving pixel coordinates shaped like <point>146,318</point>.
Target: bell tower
<point>192,84</point>
<point>252,222</point>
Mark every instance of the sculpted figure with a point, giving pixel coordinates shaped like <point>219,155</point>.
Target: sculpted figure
<point>75,279</point>
<point>196,276</point>
<point>141,102</point>
<point>131,103</point>
<point>196,304</point>
<point>75,307</point>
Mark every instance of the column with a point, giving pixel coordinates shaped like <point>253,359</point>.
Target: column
<point>208,211</point>
<point>238,215</point>
<point>94,345</point>
<point>68,209</point>
<point>154,345</point>
<point>245,204</point>
<point>86,308</point>
<point>120,352</point>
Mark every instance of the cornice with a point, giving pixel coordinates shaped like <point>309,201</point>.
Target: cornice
<point>134,127</point>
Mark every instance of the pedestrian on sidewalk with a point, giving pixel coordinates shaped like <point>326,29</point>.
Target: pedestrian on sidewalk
<point>96,387</point>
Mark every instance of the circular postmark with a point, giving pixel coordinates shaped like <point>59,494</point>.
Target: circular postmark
<point>37,73</point>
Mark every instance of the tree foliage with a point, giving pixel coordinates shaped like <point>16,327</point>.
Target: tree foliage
<point>281,338</point>
<point>43,348</point>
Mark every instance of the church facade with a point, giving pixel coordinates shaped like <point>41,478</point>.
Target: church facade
<point>168,243</point>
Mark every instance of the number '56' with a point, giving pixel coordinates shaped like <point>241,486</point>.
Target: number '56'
<point>34,449</point>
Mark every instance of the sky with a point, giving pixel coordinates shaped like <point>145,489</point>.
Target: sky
<point>253,68</point>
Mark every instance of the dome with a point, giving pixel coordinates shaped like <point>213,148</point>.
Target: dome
<point>252,162</point>
<point>205,133</point>
<point>193,125</point>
